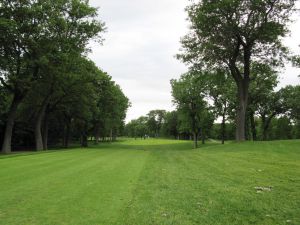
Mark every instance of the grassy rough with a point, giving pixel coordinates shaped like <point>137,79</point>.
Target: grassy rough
<point>145,182</point>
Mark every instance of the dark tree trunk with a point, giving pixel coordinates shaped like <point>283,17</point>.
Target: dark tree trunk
<point>45,132</point>
<point>97,134</point>
<point>195,137</point>
<point>38,126</point>
<point>6,146</point>
<point>111,135</point>
<point>243,89</point>
<point>242,80</point>
<point>67,135</point>
<point>84,141</point>
<point>97,138</point>
<point>84,135</point>
<point>67,130</point>
<point>263,122</point>
<point>203,137</point>
<point>265,134</point>
<point>253,126</point>
<point>266,124</point>
<point>223,128</point>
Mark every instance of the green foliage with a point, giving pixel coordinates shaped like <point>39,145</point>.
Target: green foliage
<point>170,125</point>
<point>44,69</point>
<point>290,99</point>
<point>189,96</point>
<point>155,120</point>
<point>235,35</point>
<point>220,28</point>
<point>138,128</point>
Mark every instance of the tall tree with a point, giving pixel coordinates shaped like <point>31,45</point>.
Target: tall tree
<point>234,34</point>
<point>188,94</point>
<point>155,121</point>
<point>170,125</point>
<point>221,91</point>
<point>262,97</point>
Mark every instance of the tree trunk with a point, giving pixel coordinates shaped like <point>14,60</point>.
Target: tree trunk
<point>266,124</point>
<point>6,146</point>
<point>84,142</point>
<point>203,137</point>
<point>253,126</point>
<point>243,89</point>
<point>265,134</point>
<point>195,136</point>
<point>97,134</point>
<point>223,128</point>
<point>38,127</point>
<point>45,132</point>
<point>247,127</point>
<point>67,135</point>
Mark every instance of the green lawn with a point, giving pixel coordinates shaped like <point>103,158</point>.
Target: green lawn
<point>153,182</point>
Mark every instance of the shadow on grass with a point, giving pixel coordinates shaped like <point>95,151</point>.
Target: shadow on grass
<point>125,144</point>
<point>34,152</point>
<point>176,146</point>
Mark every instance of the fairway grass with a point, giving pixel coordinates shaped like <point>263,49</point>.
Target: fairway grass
<point>153,182</point>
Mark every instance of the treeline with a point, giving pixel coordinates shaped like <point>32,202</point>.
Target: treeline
<point>206,108</point>
<point>281,128</point>
<point>51,93</point>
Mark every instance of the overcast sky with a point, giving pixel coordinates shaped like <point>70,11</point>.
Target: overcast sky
<point>140,43</point>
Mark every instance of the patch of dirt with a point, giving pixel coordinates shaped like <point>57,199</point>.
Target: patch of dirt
<point>262,189</point>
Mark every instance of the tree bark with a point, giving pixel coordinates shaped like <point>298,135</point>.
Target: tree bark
<point>195,136</point>
<point>97,134</point>
<point>203,137</point>
<point>45,132</point>
<point>67,135</point>
<point>253,126</point>
<point>243,89</point>
<point>38,125</point>
<point>84,142</point>
<point>111,135</point>
<point>242,80</point>
<point>6,146</point>
<point>223,128</point>
<point>266,124</point>
<point>38,131</point>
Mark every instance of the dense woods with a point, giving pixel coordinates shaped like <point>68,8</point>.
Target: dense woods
<point>51,93</point>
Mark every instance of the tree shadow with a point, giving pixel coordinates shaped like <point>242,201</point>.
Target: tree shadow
<point>176,146</point>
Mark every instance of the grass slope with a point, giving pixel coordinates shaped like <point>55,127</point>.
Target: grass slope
<point>145,182</point>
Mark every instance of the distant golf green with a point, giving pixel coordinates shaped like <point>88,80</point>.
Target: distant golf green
<point>153,182</point>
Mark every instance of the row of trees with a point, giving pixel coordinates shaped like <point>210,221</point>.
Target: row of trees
<point>202,98</point>
<point>206,107</point>
<point>241,39</point>
<point>50,90</point>
<point>273,118</point>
